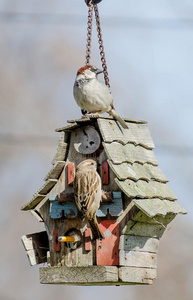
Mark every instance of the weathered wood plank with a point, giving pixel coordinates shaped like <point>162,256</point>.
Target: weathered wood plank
<point>87,118</point>
<point>36,246</point>
<point>36,215</point>
<point>137,171</point>
<point>71,173</point>
<point>137,275</point>
<point>142,217</point>
<point>48,185</point>
<point>153,207</point>
<point>138,243</point>
<point>105,173</point>
<point>107,250</point>
<point>35,200</point>
<point>144,229</point>
<point>137,134</point>
<point>54,173</point>
<point>119,153</point>
<point>143,189</point>
<point>79,275</point>
<point>68,128</point>
<point>40,195</point>
<point>138,259</point>
<point>61,150</point>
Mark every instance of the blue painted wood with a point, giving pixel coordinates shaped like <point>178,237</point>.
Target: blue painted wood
<point>69,210</point>
<point>114,208</point>
<point>53,197</point>
<point>65,209</point>
<point>117,195</point>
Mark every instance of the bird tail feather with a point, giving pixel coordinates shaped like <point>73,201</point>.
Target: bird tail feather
<point>113,113</point>
<point>96,231</point>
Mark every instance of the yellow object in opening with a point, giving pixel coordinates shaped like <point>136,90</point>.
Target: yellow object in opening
<point>66,239</point>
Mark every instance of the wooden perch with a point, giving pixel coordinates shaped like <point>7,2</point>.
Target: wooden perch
<point>69,197</point>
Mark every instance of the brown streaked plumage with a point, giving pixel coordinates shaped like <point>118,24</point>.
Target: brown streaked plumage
<point>87,194</point>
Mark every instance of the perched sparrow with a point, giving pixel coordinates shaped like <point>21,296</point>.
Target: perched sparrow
<point>87,194</point>
<point>92,95</point>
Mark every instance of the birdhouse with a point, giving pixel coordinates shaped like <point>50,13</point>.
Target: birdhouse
<point>136,207</point>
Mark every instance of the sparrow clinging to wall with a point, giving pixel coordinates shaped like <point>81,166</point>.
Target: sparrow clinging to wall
<point>92,95</point>
<point>87,194</point>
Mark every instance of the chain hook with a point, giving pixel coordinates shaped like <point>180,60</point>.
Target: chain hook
<point>94,2</point>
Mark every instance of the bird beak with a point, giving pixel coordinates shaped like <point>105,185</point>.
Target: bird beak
<point>98,71</point>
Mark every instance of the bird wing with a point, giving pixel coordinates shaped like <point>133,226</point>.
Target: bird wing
<point>85,187</point>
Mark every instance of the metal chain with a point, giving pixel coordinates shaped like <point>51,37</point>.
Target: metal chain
<point>89,35</point>
<point>101,47</point>
<point>89,32</point>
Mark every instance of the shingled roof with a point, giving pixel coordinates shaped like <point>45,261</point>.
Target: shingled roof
<point>131,158</point>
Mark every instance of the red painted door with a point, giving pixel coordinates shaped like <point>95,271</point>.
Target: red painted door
<point>108,248</point>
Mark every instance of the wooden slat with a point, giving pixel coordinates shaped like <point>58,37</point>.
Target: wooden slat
<point>68,128</point>
<point>57,244</point>
<point>35,200</point>
<point>105,173</point>
<point>137,275</point>
<point>61,150</point>
<point>36,246</point>
<point>138,259</point>
<point>153,207</point>
<point>41,194</point>
<point>54,173</point>
<point>144,229</point>
<point>87,244</point>
<point>47,186</point>
<point>138,243</point>
<point>158,219</point>
<point>143,189</point>
<point>119,153</point>
<point>99,116</point>
<point>137,134</point>
<point>71,173</point>
<point>92,275</point>
<point>137,171</point>
<point>107,250</point>
<point>36,215</point>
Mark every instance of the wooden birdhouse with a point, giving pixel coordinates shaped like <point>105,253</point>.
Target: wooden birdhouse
<point>136,207</point>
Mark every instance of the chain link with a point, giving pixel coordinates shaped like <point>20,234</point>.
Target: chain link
<point>89,32</point>
<point>89,36</point>
<point>101,47</point>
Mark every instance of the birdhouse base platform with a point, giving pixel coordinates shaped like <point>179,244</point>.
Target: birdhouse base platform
<point>97,275</point>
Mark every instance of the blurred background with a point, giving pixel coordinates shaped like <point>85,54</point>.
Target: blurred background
<point>149,52</point>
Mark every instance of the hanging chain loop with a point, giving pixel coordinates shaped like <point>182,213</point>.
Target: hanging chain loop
<point>101,47</point>
<point>89,32</point>
<point>91,4</point>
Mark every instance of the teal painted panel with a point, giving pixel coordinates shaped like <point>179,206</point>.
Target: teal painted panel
<point>114,208</point>
<point>69,210</point>
<point>66,209</point>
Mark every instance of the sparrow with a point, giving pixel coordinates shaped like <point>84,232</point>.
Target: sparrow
<point>87,194</point>
<point>92,95</point>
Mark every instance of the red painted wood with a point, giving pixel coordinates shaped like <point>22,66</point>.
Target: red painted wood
<point>88,239</point>
<point>71,173</point>
<point>105,172</point>
<point>108,249</point>
<point>57,245</point>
